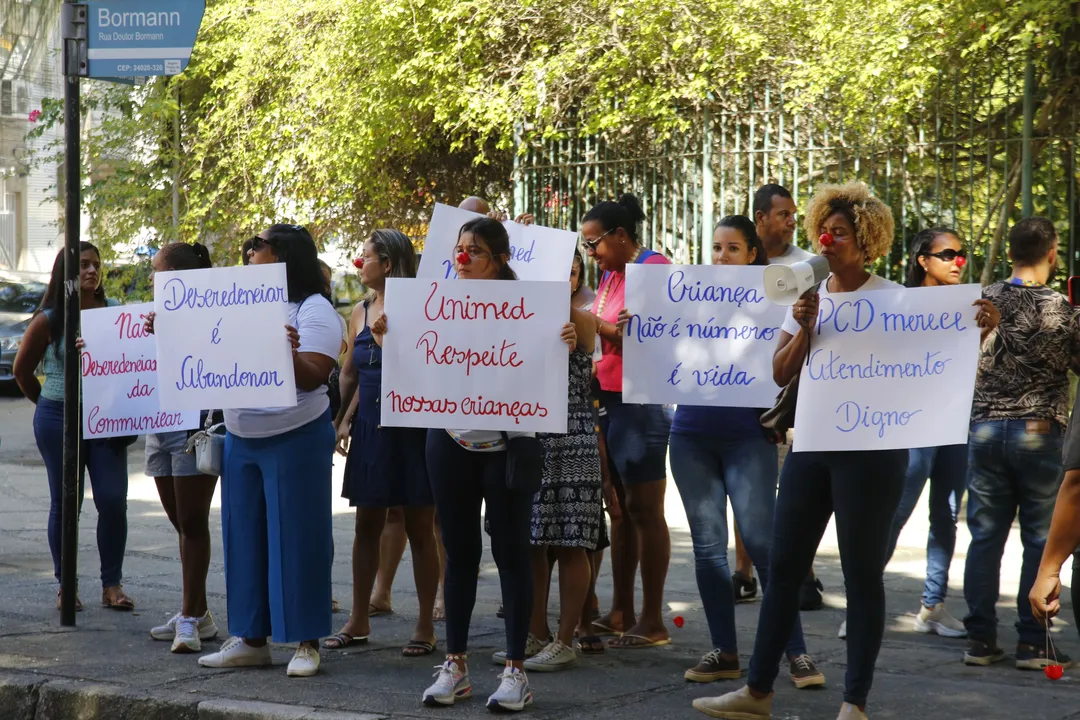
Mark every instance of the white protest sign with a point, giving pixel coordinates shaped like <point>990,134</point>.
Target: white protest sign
<point>890,369</point>
<point>221,338</point>
<point>119,376</point>
<point>700,335</point>
<point>475,355</point>
<point>536,253</point>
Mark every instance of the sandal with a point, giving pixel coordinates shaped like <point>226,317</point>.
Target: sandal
<point>636,642</point>
<point>602,630</point>
<point>78,602</point>
<point>373,611</point>
<point>114,598</point>
<point>591,645</point>
<point>343,640</point>
<point>418,648</point>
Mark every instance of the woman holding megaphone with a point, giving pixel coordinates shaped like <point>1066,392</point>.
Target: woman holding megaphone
<point>862,488</point>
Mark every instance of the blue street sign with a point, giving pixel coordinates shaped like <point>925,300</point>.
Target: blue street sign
<point>132,38</point>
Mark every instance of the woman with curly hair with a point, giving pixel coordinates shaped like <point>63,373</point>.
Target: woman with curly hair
<point>814,485</point>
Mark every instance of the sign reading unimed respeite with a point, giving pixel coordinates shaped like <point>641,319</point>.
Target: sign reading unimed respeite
<point>536,252</point>
<point>700,335</point>
<point>118,365</point>
<point>475,355</point>
<point>133,38</point>
<point>221,338</point>
<point>890,369</point>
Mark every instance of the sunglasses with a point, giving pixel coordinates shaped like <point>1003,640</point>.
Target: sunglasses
<point>949,255</point>
<point>595,242</point>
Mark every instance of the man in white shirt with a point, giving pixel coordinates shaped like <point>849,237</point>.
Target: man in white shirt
<point>775,217</point>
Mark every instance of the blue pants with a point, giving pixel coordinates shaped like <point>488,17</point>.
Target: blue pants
<point>946,467</point>
<point>275,523</point>
<point>1011,472</point>
<point>863,489</point>
<point>708,472</point>
<point>107,463</point>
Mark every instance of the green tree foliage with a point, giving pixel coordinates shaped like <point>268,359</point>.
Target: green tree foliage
<point>346,116</point>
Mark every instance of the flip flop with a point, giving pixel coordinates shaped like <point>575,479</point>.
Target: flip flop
<point>421,648</point>
<point>591,645</point>
<point>637,642</point>
<point>343,640</point>
<point>373,611</point>
<point>602,630</point>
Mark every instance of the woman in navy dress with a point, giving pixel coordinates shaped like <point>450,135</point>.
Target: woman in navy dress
<point>385,466</point>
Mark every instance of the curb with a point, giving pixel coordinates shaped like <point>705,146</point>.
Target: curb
<point>26,696</point>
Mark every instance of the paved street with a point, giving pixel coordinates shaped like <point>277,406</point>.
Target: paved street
<point>918,676</point>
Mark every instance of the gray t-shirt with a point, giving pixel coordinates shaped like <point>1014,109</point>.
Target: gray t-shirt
<point>792,255</point>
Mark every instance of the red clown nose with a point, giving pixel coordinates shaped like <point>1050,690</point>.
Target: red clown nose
<point>961,261</point>
<point>464,258</point>
<point>826,239</point>
<point>1054,672</point>
<point>358,263</point>
<point>679,622</point>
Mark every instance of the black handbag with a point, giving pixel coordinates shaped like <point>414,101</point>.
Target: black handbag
<point>524,463</point>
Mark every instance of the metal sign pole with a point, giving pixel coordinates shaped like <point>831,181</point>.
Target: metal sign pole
<point>75,64</point>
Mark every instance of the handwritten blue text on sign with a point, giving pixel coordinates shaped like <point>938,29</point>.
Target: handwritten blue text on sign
<point>701,335</point>
<point>890,369</point>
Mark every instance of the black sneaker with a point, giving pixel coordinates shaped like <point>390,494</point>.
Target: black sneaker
<point>745,588</point>
<point>804,673</point>
<point>714,666</point>
<point>1030,657</point>
<point>810,594</point>
<point>982,654</point>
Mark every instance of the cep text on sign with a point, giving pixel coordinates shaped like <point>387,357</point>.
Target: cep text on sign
<point>119,377</point>
<point>475,355</point>
<point>700,335</point>
<point>221,338</point>
<point>890,369</point>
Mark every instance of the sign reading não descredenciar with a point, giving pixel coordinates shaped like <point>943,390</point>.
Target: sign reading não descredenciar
<point>475,355</point>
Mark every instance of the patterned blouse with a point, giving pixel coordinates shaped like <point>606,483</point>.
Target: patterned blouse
<point>1024,366</point>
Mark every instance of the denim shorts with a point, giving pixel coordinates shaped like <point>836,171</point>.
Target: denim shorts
<point>165,456</point>
<point>637,438</point>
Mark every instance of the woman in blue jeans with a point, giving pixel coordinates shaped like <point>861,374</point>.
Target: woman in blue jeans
<point>938,256</point>
<point>862,488</point>
<point>105,459</point>
<point>719,453</point>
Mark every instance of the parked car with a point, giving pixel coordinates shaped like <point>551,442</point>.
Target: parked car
<point>20,295</point>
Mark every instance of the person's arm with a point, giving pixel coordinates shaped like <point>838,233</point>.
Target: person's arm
<point>1062,541</point>
<point>791,353</point>
<point>312,369</point>
<point>32,349</point>
<point>987,318</point>
<point>348,380</point>
<point>587,326</point>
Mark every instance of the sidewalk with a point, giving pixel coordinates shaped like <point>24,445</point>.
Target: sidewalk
<point>108,667</point>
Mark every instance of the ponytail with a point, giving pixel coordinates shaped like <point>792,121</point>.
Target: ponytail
<point>181,256</point>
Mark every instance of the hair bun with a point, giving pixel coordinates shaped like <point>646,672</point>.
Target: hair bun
<point>202,253</point>
<point>633,207</point>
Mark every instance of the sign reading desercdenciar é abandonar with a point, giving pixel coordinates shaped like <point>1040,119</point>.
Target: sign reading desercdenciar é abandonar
<point>475,355</point>
<point>700,335</point>
<point>890,369</point>
<point>536,252</point>
<point>119,376</point>
<point>221,338</point>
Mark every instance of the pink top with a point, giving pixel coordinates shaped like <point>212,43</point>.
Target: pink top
<point>610,299</point>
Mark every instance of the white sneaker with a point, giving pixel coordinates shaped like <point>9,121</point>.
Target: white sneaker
<point>451,685</point>
<point>236,653</point>
<point>187,636</point>
<point>207,629</point>
<point>513,693</point>
<point>533,645</point>
<point>938,620</point>
<point>842,632</point>
<point>305,662</point>
<point>556,656</point>
<point>850,712</point>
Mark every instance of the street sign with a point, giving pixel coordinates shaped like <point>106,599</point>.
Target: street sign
<point>132,38</point>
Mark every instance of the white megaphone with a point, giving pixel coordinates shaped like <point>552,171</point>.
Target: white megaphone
<point>785,284</point>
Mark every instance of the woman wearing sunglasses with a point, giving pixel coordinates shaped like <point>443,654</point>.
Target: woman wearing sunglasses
<point>937,257</point>
<point>275,484</point>
<point>636,436</point>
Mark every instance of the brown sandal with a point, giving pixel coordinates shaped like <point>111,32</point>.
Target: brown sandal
<point>115,599</point>
<point>78,602</point>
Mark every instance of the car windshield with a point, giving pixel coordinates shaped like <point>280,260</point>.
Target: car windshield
<point>20,297</point>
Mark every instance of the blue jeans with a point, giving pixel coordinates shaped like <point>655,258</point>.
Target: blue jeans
<point>275,525</point>
<point>946,468</point>
<point>1010,471</point>
<point>863,489</point>
<point>106,461</point>
<point>708,472</point>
